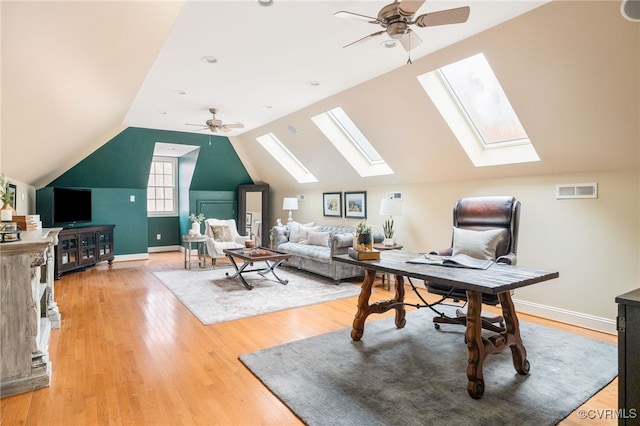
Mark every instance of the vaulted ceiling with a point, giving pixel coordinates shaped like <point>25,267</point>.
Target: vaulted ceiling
<point>74,74</point>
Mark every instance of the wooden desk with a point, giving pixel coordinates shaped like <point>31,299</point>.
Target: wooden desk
<point>498,279</point>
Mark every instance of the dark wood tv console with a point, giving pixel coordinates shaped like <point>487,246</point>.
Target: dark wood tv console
<point>81,247</point>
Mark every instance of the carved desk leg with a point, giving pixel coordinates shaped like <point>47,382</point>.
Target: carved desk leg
<point>475,344</point>
<point>363,305</point>
<point>364,309</point>
<point>512,333</point>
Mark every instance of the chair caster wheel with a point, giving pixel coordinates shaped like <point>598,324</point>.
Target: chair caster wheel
<point>436,326</point>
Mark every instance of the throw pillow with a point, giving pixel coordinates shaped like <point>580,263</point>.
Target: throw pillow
<point>298,232</point>
<point>221,233</point>
<point>316,238</point>
<point>478,244</point>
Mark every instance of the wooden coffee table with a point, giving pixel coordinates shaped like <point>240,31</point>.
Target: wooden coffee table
<point>272,258</point>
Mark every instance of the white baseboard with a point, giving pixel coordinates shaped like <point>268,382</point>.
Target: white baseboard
<point>164,248</point>
<point>570,317</point>
<point>131,257</point>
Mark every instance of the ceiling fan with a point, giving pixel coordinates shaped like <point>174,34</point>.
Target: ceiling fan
<point>397,18</point>
<point>214,124</point>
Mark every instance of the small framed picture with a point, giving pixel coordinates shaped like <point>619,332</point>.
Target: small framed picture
<point>247,221</point>
<point>332,204</point>
<point>355,205</point>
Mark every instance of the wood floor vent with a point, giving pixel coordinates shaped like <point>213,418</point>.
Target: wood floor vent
<point>576,190</point>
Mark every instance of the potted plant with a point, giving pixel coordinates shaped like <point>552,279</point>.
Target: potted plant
<point>195,223</point>
<point>387,229</point>
<point>6,199</point>
<point>365,234</point>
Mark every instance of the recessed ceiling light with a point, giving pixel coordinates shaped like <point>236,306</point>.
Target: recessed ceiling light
<point>265,2</point>
<point>267,106</point>
<point>314,83</point>
<point>180,92</point>
<point>389,43</point>
<point>162,112</point>
<point>209,59</point>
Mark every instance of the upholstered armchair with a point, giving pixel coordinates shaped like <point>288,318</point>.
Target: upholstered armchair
<point>222,234</point>
<point>485,228</point>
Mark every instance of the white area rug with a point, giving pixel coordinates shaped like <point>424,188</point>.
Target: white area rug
<point>213,298</point>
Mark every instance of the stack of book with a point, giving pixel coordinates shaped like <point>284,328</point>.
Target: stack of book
<point>30,222</point>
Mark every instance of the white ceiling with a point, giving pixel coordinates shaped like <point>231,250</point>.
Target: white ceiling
<point>267,56</point>
<point>75,74</point>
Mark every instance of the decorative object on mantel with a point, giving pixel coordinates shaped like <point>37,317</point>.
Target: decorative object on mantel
<point>9,232</point>
<point>7,196</point>
<point>195,223</point>
<point>389,207</point>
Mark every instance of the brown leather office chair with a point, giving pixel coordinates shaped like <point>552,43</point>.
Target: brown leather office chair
<point>501,214</point>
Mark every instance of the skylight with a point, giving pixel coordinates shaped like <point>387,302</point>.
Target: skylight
<point>351,143</point>
<point>471,100</point>
<point>286,159</point>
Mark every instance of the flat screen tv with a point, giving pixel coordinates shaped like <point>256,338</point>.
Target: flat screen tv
<point>71,206</point>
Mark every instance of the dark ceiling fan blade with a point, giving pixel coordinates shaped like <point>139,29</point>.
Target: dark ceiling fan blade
<point>409,7</point>
<point>351,15</point>
<point>410,40</point>
<point>444,17</point>
<point>365,38</point>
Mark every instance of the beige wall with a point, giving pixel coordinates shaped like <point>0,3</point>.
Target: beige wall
<point>593,243</point>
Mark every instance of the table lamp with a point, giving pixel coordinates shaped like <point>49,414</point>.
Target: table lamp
<point>390,207</point>
<point>290,203</point>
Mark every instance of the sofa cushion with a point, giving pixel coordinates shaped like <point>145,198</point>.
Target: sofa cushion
<point>221,233</point>
<point>307,251</point>
<point>316,238</point>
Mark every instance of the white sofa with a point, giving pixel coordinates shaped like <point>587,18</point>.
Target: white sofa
<point>219,239</point>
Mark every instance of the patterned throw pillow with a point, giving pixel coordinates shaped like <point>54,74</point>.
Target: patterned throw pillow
<point>221,233</point>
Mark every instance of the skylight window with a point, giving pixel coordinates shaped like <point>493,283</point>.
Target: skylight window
<point>286,159</point>
<point>471,100</point>
<point>351,143</point>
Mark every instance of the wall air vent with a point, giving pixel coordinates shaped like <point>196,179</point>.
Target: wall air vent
<point>576,190</point>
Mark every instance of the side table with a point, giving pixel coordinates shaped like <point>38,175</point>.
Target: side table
<point>189,241</point>
<point>382,247</point>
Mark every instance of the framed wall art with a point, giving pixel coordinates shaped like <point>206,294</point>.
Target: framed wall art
<point>332,204</point>
<point>355,205</point>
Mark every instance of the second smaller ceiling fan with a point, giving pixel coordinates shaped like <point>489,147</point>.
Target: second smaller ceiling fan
<point>213,124</point>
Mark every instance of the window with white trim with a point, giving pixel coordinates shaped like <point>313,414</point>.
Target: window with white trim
<point>351,143</point>
<point>473,103</point>
<point>162,199</point>
<point>287,160</point>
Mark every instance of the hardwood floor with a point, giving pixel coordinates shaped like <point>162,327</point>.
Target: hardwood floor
<point>129,352</point>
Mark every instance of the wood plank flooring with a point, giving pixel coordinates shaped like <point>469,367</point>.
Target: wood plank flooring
<point>129,353</point>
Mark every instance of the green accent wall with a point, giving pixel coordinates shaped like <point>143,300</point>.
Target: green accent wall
<point>120,169</point>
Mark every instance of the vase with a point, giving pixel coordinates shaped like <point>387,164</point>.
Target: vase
<point>365,242</point>
<point>7,212</point>
<point>195,228</point>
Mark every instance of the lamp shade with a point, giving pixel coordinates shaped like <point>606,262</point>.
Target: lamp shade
<point>290,203</point>
<point>390,207</point>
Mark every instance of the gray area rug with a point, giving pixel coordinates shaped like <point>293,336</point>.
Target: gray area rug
<point>417,376</point>
<point>213,298</point>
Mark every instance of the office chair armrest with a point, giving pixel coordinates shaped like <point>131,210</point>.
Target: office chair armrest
<point>509,259</point>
